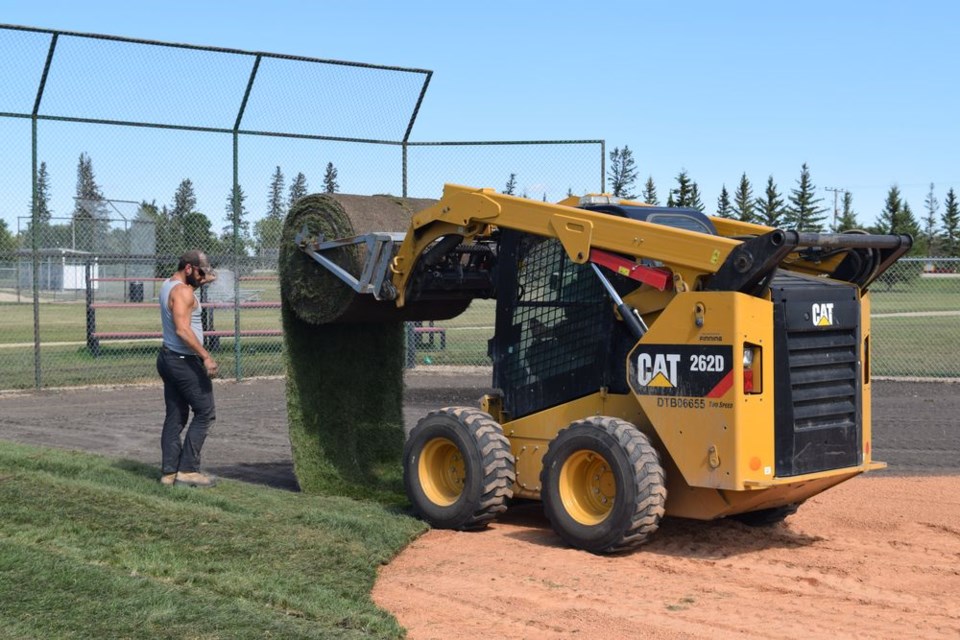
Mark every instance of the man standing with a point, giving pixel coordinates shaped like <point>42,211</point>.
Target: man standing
<point>186,368</point>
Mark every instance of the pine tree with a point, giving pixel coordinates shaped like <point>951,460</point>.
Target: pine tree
<point>298,189</point>
<point>907,223</point>
<point>670,201</point>
<point>275,207</point>
<point>950,233</point>
<point>650,192</point>
<point>623,173</point>
<point>804,212</point>
<point>743,202</point>
<point>768,210</point>
<point>511,188</point>
<point>43,195</point>
<point>848,217</point>
<point>89,211</point>
<point>695,201</point>
<point>930,222</point>
<point>236,232</point>
<point>330,184</point>
<point>723,204</point>
<point>683,194</point>
<point>184,202</point>
<point>891,211</point>
<point>89,198</point>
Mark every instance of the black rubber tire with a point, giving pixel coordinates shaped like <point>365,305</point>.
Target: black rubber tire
<point>766,517</point>
<point>637,477</point>
<point>477,492</point>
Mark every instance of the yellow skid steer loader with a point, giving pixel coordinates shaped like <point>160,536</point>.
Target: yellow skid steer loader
<point>647,361</point>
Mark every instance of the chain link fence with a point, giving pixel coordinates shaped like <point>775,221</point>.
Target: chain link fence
<point>121,154</point>
<point>103,133</point>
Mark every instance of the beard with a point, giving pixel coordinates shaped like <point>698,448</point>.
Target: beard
<point>193,280</point>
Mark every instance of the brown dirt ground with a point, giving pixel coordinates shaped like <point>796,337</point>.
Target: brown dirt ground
<point>877,557</point>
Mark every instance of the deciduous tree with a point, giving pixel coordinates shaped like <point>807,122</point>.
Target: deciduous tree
<point>8,243</point>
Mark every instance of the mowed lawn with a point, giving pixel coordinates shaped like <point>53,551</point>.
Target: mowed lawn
<point>93,547</point>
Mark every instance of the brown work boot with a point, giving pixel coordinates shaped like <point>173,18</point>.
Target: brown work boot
<point>195,479</point>
<point>168,479</point>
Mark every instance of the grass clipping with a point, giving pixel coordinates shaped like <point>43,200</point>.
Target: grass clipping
<point>344,373</point>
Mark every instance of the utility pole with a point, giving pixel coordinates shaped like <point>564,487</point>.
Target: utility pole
<point>836,192</point>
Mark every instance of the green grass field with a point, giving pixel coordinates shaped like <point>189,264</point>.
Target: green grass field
<point>920,294</point>
<point>93,547</point>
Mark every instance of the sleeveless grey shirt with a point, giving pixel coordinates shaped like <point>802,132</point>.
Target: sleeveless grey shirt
<point>170,338</point>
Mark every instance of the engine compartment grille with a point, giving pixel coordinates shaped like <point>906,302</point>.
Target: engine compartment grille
<point>818,424</point>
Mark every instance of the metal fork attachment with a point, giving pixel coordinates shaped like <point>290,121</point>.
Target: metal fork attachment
<point>374,277</point>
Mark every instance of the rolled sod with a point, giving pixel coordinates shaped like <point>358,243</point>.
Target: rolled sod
<point>344,352</point>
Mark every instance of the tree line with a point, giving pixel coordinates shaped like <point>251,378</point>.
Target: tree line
<point>937,234</point>
<point>178,226</point>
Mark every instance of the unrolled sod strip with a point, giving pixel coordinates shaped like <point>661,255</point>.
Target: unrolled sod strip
<point>345,352</point>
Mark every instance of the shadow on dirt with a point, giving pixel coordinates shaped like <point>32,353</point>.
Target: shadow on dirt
<point>679,537</point>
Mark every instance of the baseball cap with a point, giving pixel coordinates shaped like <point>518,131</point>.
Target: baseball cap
<point>199,260</point>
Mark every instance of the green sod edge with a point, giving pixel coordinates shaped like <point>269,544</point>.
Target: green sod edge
<point>344,381</point>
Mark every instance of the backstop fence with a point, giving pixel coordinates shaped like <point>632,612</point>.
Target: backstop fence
<point>120,154</point>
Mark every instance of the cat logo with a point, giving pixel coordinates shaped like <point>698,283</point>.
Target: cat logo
<point>822,314</point>
<point>657,369</point>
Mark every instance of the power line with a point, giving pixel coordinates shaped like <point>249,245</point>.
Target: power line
<point>836,192</point>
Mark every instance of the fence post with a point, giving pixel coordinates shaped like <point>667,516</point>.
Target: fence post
<point>93,344</point>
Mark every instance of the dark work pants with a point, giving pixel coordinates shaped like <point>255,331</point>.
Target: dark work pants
<point>186,386</point>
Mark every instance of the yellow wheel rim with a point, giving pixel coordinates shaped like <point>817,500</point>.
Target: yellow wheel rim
<point>442,472</point>
<point>587,487</point>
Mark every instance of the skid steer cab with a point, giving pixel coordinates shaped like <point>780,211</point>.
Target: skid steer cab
<point>647,361</point>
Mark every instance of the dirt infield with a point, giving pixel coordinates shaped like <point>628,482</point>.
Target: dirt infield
<point>877,557</point>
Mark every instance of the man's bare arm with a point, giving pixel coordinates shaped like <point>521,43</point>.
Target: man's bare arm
<point>182,301</point>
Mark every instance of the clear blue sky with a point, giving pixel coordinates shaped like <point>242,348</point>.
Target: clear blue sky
<point>866,93</point>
